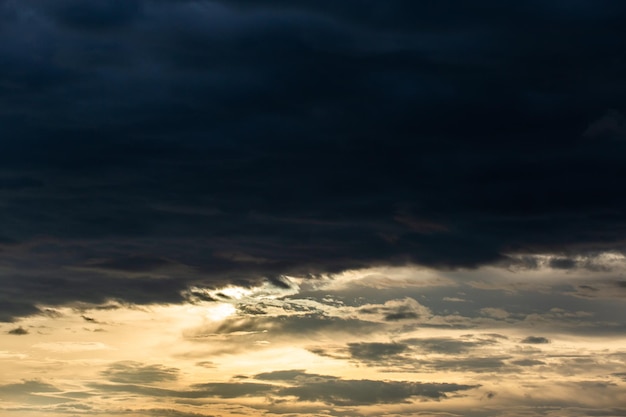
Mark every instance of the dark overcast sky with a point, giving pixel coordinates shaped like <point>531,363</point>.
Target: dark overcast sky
<point>213,142</point>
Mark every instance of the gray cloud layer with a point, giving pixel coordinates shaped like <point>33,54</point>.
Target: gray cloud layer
<point>306,387</point>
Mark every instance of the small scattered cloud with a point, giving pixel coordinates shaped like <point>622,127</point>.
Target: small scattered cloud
<point>375,351</point>
<point>397,310</point>
<point>563,263</point>
<point>206,364</point>
<point>528,362</point>
<point>33,392</point>
<point>489,395</point>
<point>233,389</point>
<point>291,375</point>
<point>455,300</point>
<point>448,346</point>
<point>478,364</point>
<point>340,392</point>
<point>535,340</point>
<point>18,331</point>
<point>281,325</point>
<point>496,313</point>
<point>129,372</point>
<point>621,375</point>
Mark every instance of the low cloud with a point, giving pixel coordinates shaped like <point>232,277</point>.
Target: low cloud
<point>129,372</point>
<point>339,392</point>
<point>18,331</point>
<point>535,340</point>
<point>447,346</point>
<point>375,351</point>
<point>32,392</point>
<point>397,310</point>
<point>282,326</point>
<point>528,362</point>
<point>305,387</point>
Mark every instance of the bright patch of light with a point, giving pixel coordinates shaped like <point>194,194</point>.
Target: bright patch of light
<point>220,312</point>
<point>235,292</point>
<point>381,277</point>
<point>68,347</point>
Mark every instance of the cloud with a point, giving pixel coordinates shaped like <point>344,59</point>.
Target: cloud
<point>287,375</point>
<point>462,354</point>
<point>232,142</point>
<point>31,392</point>
<point>234,390</point>
<point>136,263</point>
<point>536,340</point>
<point>163,412</point>
<point>469,364</point>
<point>89,319</point>
<point>528,362</point>
<point>97,15</point>
<point>206,364</point>
<point>447,345</point>
<point>306,387</point>
<point>375,351</point>
<point>282,326</point>
<point>368,392</point>
<point>621,375</point>
<point>612,124</point>
<point>208,390</point>
<point>18,331</point>
<point>342,392</point>
<point>129,372</point>
<point>397,310</point>
<point>496,313</point>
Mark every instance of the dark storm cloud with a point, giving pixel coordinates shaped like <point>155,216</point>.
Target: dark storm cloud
<point>96,15</point>
<point>237,141</point>
<point>132,263</point>
<point>58,287</point>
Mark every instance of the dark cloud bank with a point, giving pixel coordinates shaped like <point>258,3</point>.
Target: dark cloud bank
<point>150,145</point>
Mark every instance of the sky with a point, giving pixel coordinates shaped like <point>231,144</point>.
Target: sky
<point>312,208</point>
